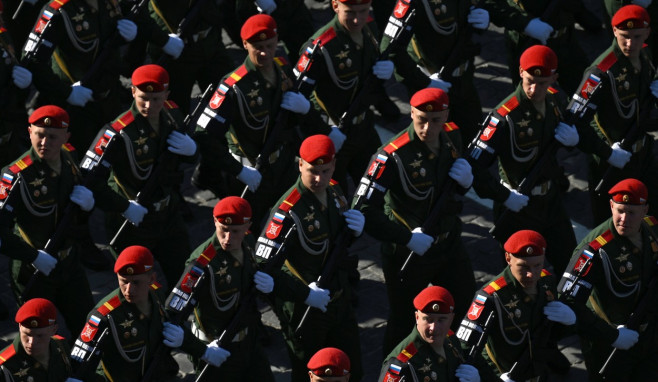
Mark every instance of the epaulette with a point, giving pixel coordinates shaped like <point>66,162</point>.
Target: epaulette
<point>236,76</point>
<point>508,106</point>
<point>7,353</point>
<point>450,333</point>
<point>397,143</point>
<point>450,126</point>
<point>544,273</point>
<point>650,220</point>
<point>552,90</point>
<point>21,164</point>
<point>58,337</point>
<point>156,285</point>
<point>281,61</point>
<point>57,4</point>
<point>290,200</point>
<point>495,285</point>
<point>370,19</point>
<point>601,240</point>
<point>68,147</point>
<point>333,182</point>
<point>207,255</point>
<point>169,104</point>
<point>326,36</point>
<point>406,353</point>
<point>109,305</point>
<point>607,62</point>
<point>123,121</point>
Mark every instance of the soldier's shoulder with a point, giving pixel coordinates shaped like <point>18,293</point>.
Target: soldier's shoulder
<point>111,302</point>
<point>508,105</point>
<point>7,354</point>
<point>396,143</point>
<point>58,4</point>
<point>604,61</point>
<point>325,35</point>
<point>495,285</point>
<point>123,120</point>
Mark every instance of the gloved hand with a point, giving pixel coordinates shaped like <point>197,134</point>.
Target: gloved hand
<point>135,213</point>
<point>21,76</point>
<point>642,3</point>
<point>437,83</point>
<point>467,373</point>
<point>619,156</point>
<point>505,378</point>
<point>383,69</point>
<point>566,134</point>
<point>83,197</point>
<point>264,282</point>
<point>268,6</point>
<point>337,137</point>
<point>174,46</point>
<point>654,88</point>
<point>461,173</point>
<point>419,242</point>
<point>539,30</point>
<point>215,355</point>
<point>478,17</point>
<point>44,262</point>
<point>295,102</point>
<point>559,312</point>
<point>250,177</point>
<point>127,29</point>
<point>80,95</point>
<point>626,338</point>
<point>181,144</point>
<point>355,221</point>
<point>516,201</point>
<point>317,297</point>
<point>173,335</point>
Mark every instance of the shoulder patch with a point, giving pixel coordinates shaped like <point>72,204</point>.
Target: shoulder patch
<point>156,285</point>
<point>21,164</point>
<point>126,119</point>
<point>281,61</point>
<point>236,76</point>
<point>325,37</point>
<point>68,147</point>
<point>508,106</point>
<point>544,273</point>
<point>607,62</point>
<point>333,182</point>
<point>601,240</point>
<point>58,337</point>
<point>397,143</point>
<point>495,285</point>
<point>650,220</point>
<point>207,255</point>
<point>169,104</point>
<point>552,90</point>
<point>406,353</point>
<point>57,4</point>
<point>290,200</point>
<point>109,305</point>
<point>450,126</point>
<point>7,353</point>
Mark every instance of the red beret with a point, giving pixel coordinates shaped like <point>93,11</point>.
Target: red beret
<point>134,260</point>
<point>151,78</point>
<point>525,243</point>
<point>539,60</point>
<point>37,313</point>
<point>430,99</point>
<point>629,191</point>
<point>317,150</point>
<point>434,299</point>
<point>631,17</point>
<point>232,210</point>
<point>329,362</point>
<point>50,116</point>
<point>258,28</point>
<point>354,2</point>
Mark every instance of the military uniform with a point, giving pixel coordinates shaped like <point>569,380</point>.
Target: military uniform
<point>14,118</point>
<point>18,366</point>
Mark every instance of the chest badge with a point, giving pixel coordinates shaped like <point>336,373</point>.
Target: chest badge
<point>416,163</point>
<point>127,323</point>
<point>524,123</point>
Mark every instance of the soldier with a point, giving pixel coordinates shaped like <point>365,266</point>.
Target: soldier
<point>416,166</point>
<point>329,364</point>
<point>37,353</point>
<point>520,297</point>
<point>519,132</point>
<point>616,262</point>
<point>143,133</point>
<point>316,207</point>
<point>230,267</point>
<point>46,178</point>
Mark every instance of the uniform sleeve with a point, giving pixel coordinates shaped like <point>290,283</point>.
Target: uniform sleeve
<point>192,345</point>
<point>405,66</point>
<point>11,244</point>
<point>147,29</point>
<point>88,347</point>
<point>483,154</point>
<point>589,142</point>
<point>506,16</point>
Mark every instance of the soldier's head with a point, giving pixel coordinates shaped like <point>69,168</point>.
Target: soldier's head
<point>134,269</point>
<point>150,88</point>
<point>259,38</point>
<point>37,322</point>
<point>429,112</point>
<point>434,314</point>
<point>329,365</point>
<point>317,162</point>
<point>630,24</point>
<point>629,205</point>
<point>538,70</point>
<point>232,217</point>
<point>525,252</point>
<point>49,130</point>
<point>352,14</point>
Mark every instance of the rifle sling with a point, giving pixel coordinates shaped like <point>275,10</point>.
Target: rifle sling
<point>158,12</point>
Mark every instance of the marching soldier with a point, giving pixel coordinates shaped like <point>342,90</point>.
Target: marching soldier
<point>617,262</point>
<point>329,364</point>
<point>318,210</point>
<point>416,166</point>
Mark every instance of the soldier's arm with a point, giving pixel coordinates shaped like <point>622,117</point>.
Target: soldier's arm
<point>505,15</point>
<point>88,348</point>
<point>147,29</point>
<point>473,333</point>
<point>11,244</point>
<point>589,141</point>
<point>483,154</point>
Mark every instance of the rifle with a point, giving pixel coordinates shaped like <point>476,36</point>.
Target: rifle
<point>462,49</point>
<point>184,28</point>
<point>166,157</point>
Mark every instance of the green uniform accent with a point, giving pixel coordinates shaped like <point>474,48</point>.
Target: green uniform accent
<point>21,367</point>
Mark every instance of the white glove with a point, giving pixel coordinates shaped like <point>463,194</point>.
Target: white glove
<point>461,173</point>
<point>383,69</point>
<point>22,77</point>
<point>437,83</point>
<point>619,156</point>
<point>539,30</point>
<point>337,137</point>
<point>626,338</point>
<point>44,262</point>
<point>505,378</point>
<point>215,355</point>
<point>654,88</point>
<point>250,177</point>
<point>173,335</point>
<point>355,221</point>
<point>268,6</point>
<point>80,95</point>
<point>181,144</point>
<point>419,242</point>
<point>566,134</point>
<point>135,213</point>
<point>467,373</point>
<point>479,18</point>
<point>174,46</point>
<point>559,312</point>
<point>83,197</point>
<point>516,201</point>
<point>642,3</point>
<point>264,282</point>
<point>317,297</point>
<point>295,102</point>
<point>127,29</point>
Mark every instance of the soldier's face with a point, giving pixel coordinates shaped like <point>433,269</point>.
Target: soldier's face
<point>47,141</point>
<point>630,41</point>
<point>526,270</point>
<point>428,124</point>
<point>261,53</point>
<point>352,17</point>
<point>627,218</point>
<point>315,378</point>
<point>135,288</point>
<point>35,340</point>
<point>535,87</point>
<point>316,178</point>
<point>434,327</point>
<point>149,104</point>
<point>230,236</point>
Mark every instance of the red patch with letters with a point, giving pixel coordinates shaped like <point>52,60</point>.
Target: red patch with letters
<point>487,133</point>
<point>88,333</point>
<point>391,378</point>
<point>99,148</point>
<point>303,61</point>
<point>187,283</point>
<point>4,190</point>
<point>41,25</point>
<point>216,100</point>
<point>273,230</point>
<point>580,264</point>
<point>400,9</point>
<point>475,311</point>
<point>371,170</point>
